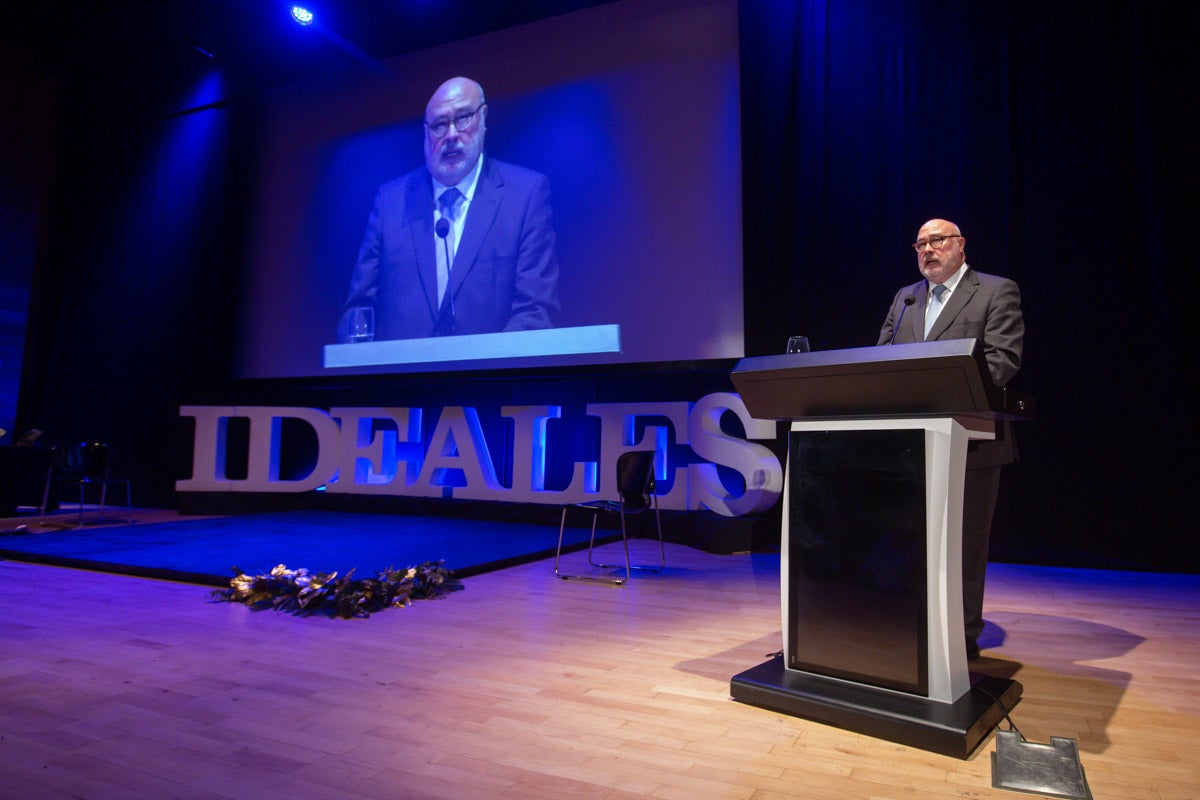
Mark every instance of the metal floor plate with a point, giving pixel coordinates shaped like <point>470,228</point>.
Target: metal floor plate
<point>1051,769</point>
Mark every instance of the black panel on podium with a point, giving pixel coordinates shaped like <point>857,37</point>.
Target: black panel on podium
<point>871,542</point>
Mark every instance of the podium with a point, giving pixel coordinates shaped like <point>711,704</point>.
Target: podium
<point>870,563</point>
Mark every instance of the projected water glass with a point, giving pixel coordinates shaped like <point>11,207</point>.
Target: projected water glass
<point>362,324</point>
<point>797,344</point>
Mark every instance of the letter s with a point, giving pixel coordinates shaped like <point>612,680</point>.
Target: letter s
<point>758,466</point>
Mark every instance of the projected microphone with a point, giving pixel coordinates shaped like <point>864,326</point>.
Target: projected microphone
<point>445,326</point>
<point>908,301</point>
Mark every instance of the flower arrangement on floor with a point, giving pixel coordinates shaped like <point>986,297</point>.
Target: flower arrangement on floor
<point>299,592</point>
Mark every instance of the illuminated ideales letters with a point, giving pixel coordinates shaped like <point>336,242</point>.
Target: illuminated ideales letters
<point>380,451</point>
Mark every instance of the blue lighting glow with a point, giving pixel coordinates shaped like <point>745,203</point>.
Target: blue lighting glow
<point>302,15</point>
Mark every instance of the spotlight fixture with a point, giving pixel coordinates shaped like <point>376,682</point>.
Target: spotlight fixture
<point>302,15</point>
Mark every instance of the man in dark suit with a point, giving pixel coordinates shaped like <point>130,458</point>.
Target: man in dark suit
<point>492,219</point>
<point>956,302</point>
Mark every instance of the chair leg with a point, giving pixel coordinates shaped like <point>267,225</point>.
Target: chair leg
<point>623,539</point>
<point>662,549</point>
<point>592,543</point>
<point>49,483</point>
<point>83,484</point>
<point>629,566</point>
<point>625,542</point>
<point>558,553</point>
<point>591,546</point>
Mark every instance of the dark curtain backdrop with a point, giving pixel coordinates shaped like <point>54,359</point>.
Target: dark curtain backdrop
<point>132,311</point>
<point>1056,134</point>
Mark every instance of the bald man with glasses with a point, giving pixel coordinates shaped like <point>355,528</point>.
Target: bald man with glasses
<point>463,244</point>
<point>953,301</point>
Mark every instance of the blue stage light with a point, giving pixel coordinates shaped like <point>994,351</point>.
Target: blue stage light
<point>302,15</point>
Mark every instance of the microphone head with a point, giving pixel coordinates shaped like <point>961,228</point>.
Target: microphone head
<point>442,228</point>
<point>908,301</point>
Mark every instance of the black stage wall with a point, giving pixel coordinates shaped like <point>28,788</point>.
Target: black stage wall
<point>1054,135</point>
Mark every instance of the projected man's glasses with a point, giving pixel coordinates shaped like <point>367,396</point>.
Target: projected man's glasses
<point>460,123</point>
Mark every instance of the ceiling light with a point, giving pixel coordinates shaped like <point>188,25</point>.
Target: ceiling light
<point>302,15</point>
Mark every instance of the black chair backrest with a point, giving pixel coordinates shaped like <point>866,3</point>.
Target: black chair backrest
<point>85,461</point>
<point>70,461</point>
<point>635,478</point>
<point>94,460</point>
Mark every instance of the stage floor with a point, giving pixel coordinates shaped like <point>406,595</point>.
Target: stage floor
<point>206,550</point>
<point>526,686</point>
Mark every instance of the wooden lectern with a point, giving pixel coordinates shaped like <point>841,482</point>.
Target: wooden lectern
<point>871,567</point>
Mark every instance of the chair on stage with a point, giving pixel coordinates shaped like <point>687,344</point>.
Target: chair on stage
<point>636,490</point>
<point>90,464</point>
<point>49,497</point>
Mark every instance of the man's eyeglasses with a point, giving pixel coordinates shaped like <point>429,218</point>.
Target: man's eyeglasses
<point>934,242</point>
<point>460,123</point>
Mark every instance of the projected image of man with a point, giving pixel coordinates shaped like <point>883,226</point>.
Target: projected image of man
<point>464,244</point>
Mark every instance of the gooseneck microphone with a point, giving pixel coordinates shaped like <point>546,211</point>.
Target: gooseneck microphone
<point>908,301</point>
<point>442,229</point>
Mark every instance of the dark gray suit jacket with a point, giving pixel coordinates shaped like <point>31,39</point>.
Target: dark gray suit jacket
<point>505,273</point>
<point>984,307</point>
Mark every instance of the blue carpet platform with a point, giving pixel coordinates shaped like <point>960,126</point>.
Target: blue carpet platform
<point>206,551</point>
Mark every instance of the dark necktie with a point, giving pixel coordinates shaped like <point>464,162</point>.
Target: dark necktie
<point>448,205</point>
<point>448,202</point>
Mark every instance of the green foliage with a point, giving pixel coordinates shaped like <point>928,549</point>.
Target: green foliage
<point>296,591</point>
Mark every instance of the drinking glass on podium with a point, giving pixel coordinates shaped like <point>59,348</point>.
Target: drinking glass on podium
<point>797,344</point>
<point>362,324</point>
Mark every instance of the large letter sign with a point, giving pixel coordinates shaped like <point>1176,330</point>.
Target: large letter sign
<point>457,462</point>
<point>266,424</point>
<point>381,451</point>
<point>378,461</point>
<point>757,465</point>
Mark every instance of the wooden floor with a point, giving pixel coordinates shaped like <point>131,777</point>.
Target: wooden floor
<point>525,686</point>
